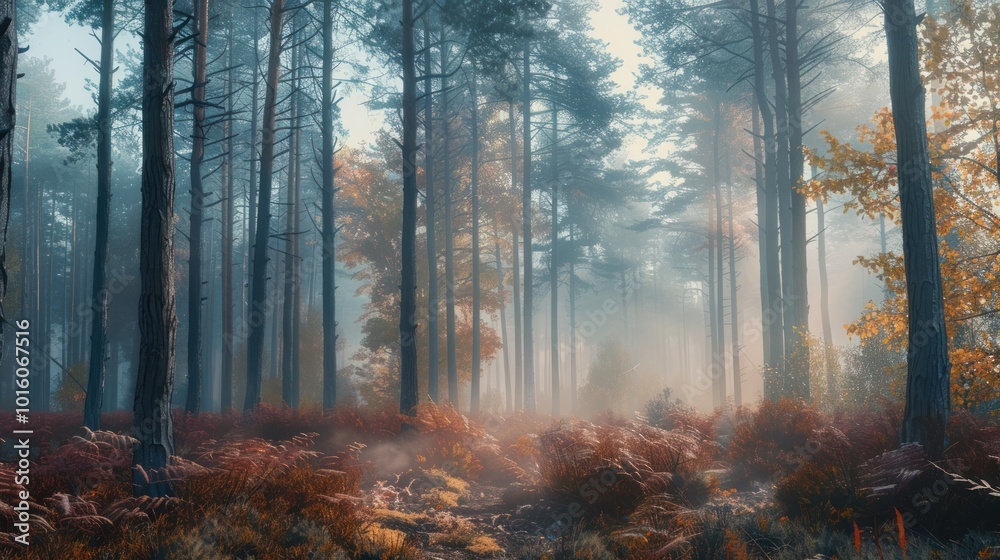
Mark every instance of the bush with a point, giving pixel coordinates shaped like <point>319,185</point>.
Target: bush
<point>771,441</point>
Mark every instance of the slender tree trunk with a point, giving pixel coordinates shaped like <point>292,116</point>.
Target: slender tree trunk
<point>153,425</point>
<point>449,235</point>
<point>111,391</point>
<point>291,258</point>
<point>474,402</point>
<point>928,404</point>
<point>254,179</point>
<point>554,267</point>
<point>516,260</point>
<point>226,374</point>
<point>790,383</point>
<point>274,332</point>
<point>508,385</point>
<point>208,331</point>
<point>715,329</point>
<point>258,300</point>
<point>800,305</point>
<point>329,233</point>
<point>197,207</point>
<point>408,287</point>
<point>529,351</point>
<point>733,306</point>
<point>99,295</point>
<point>8,100</point>
<point>518,333</point>
<point>719,373</point>
<point>433,332</point>
<point>832,364</point>
<point>761,192</point>
<point>771,315</point>
<point>572,317</point>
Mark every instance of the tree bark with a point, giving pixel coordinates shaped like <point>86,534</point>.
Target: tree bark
<point>408,287</point>
<point>554,267</point>
<point>476,350</point>
<point>99,295</point>
<point>719,352</point>
<point>153,425</point>
<point>832,364</point>
<point>790,380</point>
<point>516,261</point>
<point>928,400</point>
<point>508,385</point>
<point>771,316</point>
<point>328,218</point>
<point>258,299</point>
<point>254,178</point>
<point>529,352</point>
<point>572,316</point>
<point>733,307</point>
<point>800,304</point>
<point>449,235</point>
<point>200,61</point>
<point>289,373</point>
<point>430,202</point>
<point>8,100</point>
<point>226,373</point>
<point>761,195</point>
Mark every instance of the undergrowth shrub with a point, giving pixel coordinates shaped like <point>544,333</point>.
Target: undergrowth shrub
<point>769,442</point>
<point>614,466</point>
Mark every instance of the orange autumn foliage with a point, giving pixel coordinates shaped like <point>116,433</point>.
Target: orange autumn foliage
<point>962,70</point>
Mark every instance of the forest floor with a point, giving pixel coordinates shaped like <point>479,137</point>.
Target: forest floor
<point>778,481</point>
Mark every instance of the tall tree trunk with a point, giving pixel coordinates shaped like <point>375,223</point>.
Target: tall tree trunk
<point>572,315</point>
<point>516,260</point>
<point>111,391</point>
<point>408,287</point>
<point>252,184</point>
<point>8,100</point>
<point>291,257</point>
<point>274,332</point>
<point>554,267</point>
<point>153,425</point>
<point>529,351</point>
<point>733,306</point>
<point>518,333</point>
<point>715,329</point>
<point>258,299</point>
<point>508,385</point>
<point>449,235</point>
<point>197,207</point>
<point>800,304</point>
<point>226,373</point>
<point>719,371</point>
<point>761,196</point>
<point>832,364</point>
<point>329,233</point>
<point>928,402</point>
<point>771,315</point>
<point>99,295</point>
<point>430,202</point>
<point>208,331</point>
<point>790,382</point>
<point>474,401</point>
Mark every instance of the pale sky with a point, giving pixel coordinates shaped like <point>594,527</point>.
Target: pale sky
<point>53,38</point>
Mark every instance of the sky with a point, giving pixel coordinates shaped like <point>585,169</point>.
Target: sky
<point>53,38</point>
